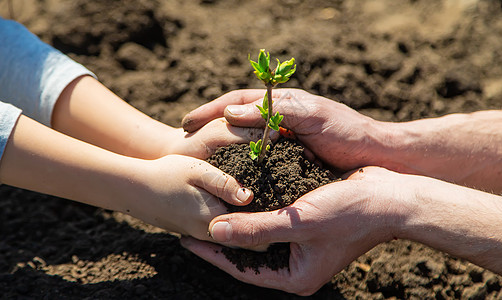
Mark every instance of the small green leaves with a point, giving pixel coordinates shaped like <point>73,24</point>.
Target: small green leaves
<point>275,121</point>
<point>265,101</point>
<point>256,149</point>
<point>264,60</point>
<point>284,70</point>
<point>264,108</point>
<point>262,67</point>
<point>263,112</point>
<point>281,74</point>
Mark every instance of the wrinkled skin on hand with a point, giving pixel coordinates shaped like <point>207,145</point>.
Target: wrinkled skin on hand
<point>335,133</point>
<point>328,228</point>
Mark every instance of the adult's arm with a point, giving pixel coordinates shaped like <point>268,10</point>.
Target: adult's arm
<point>333,225</point>
<point>461,148</point>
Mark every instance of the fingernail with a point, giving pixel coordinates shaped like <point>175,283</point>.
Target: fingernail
<point>235,110</point>
<point>243,194</point>
<point>221,232</point>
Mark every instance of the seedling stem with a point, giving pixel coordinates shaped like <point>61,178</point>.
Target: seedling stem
<point>271,78</point>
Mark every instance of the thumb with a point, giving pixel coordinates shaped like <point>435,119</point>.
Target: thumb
<point>248,230</point>
<point>287,102</point>
<point>214,109</point>
<point>220,184</point>
<point>246,115</point>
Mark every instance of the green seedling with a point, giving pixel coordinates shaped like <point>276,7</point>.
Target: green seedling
<point>280,74</point>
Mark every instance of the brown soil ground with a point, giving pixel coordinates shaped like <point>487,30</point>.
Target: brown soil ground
<point>392,60</point>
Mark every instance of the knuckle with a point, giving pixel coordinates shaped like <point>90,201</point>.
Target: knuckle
<point>255,236</point>
<point>225,184</point>
<point>252,235</point>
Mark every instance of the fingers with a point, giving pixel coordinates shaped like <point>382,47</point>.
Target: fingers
<point>219,133</point>
<point>246,115</point>
<point>220,184</point>
<point>197,118</point>
<point>212,253</point>
<point>290,103</point>
<point>248,230</point>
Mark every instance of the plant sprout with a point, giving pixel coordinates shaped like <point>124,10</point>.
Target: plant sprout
<point>280,74</point>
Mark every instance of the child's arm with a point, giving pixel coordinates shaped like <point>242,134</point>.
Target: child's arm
<point>88,111</point>
<point>56,91</point>
<point>176,192</point>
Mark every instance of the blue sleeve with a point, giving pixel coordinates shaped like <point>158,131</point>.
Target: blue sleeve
<point>8,118</point>
<point>32,73</point>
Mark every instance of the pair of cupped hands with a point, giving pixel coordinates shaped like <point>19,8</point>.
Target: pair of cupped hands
<point>327,228</point>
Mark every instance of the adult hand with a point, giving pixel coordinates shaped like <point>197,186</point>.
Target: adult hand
<point>460,148</point>
<point>337,134</point>
<point>328,228</point>
<point>331,226</point>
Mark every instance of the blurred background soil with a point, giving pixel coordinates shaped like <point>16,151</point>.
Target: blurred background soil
<point>389,59</point>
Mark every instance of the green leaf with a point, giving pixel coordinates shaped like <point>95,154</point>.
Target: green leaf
<point>263,76</point>
<point>277,67</point>
<point>275,121</point>
<point>255,149</point>
<point>290,72</point>
<point>285,67</point>
<point>273,126</point>
<point>284,71</point>
<point>280,78</point>
<point>265,101</point>
<point>264,60</point>
<point>279,118</point>
<point>256,66</point>
<point>253,155</point>
<point>263,112</point>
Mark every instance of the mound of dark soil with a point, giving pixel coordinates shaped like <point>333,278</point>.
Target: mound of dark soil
<point>284,175</point>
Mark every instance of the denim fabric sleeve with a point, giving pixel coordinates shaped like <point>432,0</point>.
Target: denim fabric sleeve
<point>8,118</point>
<point>32,73</point>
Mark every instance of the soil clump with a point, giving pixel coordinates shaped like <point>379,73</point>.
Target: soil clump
<point>284,175</point>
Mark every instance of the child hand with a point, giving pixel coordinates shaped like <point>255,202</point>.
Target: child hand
<point>180,194</point>
<point>217,133</point>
